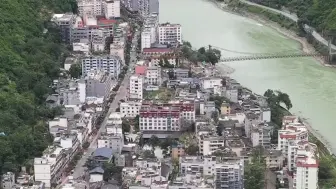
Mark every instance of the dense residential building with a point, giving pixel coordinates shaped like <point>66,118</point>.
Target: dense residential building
<point>131,5</point>
<point>65,23</point>
<point>49,167</point>
<point>112,9</point>
<point>90,7</point>
<point>210,83</point>
<point>115,141</point>
<point>153,75</point>
<point>149,34</point>
<point>98,84</point>
<point>150,52</point>
<point>227,173</point>
<point>165,117</point>
<point>130,109</point>
<point>110,63</point>
<point>117,49</point>
<point>306,173</point>
<point>146,38</point>
<point>136,87</point>
<point>147,7</point>
<point>170,34</point>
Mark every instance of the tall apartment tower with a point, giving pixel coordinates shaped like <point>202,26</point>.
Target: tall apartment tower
<point>136,87</point>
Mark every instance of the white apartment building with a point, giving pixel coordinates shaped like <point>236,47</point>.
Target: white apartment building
<point>148,7</point>
<point>111,64</point>
<point>146,38</point>
<point>49,167</point>
<point>291,132</point>
<point>130,109</point>
<point>153,75</point>
<point>224,171</point>
<point>115,118</point>
<point>112,9</point>
<point>306,174</point>
<point>170,34</point>
<point>136,87</point>
<point>115,141</point>
<point>261,135</point>
<point>90,7</point>
<point>210,82</point>
<point>210,144</point>
<point>165,117</point>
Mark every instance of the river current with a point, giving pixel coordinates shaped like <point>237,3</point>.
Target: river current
<point>311,87</point>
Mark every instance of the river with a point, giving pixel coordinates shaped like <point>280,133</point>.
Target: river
<point>310,86</point>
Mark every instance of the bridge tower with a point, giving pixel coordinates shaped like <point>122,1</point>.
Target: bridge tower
<point>331,52</point>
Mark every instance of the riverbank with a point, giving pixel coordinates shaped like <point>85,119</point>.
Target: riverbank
<point>287,31</point>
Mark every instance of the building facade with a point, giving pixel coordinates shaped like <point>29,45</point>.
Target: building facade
<point>112,9</point>
<point>136,87</point>
<point>98,84</point>
<point>110,64</point>
<point>130,109</point>
<point>165,117</point>
<point>65,23</point>
<point>170,34</point>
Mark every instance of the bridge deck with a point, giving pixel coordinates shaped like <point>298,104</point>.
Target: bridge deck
<point>269,56</point>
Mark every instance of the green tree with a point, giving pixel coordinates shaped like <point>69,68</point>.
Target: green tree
<point>154,141</point>
<point>136,123</point>
<point>192,149</point>
<point>75,71</point>
<point>126,127</point>
<point>254,173</point>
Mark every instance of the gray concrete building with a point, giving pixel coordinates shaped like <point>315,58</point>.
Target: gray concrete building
<point>228,173</point>
<point>98,84</point>
<point>108,63</point>
<point>65,22</point>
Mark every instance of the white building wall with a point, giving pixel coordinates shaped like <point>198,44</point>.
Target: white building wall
<point>170,33</point>
<point>136,87</point>
<point>145,39</point>
<point>61,121</point>
<point>96,177</point>
<point>82,91</point>
<point>209,83</point>
<point>130,109</point>
<point>112,9</point>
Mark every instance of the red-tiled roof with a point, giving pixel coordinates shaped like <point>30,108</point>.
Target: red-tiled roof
<point>287,136</point>
<point>141,70</point>
<point>150,50</point>
<point>104,21</point>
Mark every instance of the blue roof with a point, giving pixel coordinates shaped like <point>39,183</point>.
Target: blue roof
<point>104,152</point>
<point>97,170</point>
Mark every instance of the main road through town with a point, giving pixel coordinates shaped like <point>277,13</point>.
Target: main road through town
<point>311,87</point>
<point>121,94</point>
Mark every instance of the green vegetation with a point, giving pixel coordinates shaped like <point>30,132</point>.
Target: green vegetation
<point>254,173</point>
<point>275,99</point>
<point>31,55</point>
<point>211,55</point>
<point>163,94</point>
<point>75,71</point>
<point>270,15</point>
<point>321,14</point>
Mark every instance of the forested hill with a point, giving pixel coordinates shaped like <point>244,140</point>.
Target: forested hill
<point>321,14</point>
<point>29,60</point>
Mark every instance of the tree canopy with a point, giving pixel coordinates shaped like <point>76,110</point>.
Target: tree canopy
<point>30,58</point>
<point>321,14</point>
<point>203,54</point>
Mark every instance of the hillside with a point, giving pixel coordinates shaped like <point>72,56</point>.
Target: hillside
<point>29,60</point>
<point>321,14</point>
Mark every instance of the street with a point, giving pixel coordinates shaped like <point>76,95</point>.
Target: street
<point>80,169</point>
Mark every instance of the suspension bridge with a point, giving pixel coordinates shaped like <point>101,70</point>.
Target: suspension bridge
<point>263,56</point>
